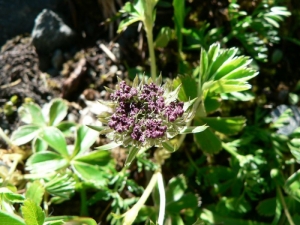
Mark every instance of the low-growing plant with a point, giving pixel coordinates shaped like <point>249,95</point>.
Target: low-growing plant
<point>39,120</point>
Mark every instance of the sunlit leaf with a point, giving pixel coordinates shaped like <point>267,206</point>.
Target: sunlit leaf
<point>39,145</point>
<point>132,153</point>
<point>84,139</point>
<point>188,89</point>
<point>31,113</point>
<point>32,213</point>
<point>46,162</point>
<point>55,139</point>
<point>193,129</point>
<point>10,219</point>
<point>89,173</point>
<point>99,157</point>
<point>35,192</point>
<point>25,134</point>
<point>57,112</point>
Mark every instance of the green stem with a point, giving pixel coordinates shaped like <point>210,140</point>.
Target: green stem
<point>149,35</point>
<point>5,138</point>
<point>131,214</point>
<point>83,205</point>
<point>162,199</point>
<point>285,208</point>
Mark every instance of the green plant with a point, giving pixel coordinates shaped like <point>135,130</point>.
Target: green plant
<point>258,30</point>
<point>39,120</point>
<point>30,212</point>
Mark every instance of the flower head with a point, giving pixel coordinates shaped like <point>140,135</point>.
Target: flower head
<point>145,114</point>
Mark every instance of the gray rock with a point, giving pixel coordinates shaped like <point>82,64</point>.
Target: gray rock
<point>50,32</point>
<point>17,17</point>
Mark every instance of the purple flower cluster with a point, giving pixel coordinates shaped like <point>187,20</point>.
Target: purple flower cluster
<point>125,93</point>
<point>142,113</point>
<point>174,110</point>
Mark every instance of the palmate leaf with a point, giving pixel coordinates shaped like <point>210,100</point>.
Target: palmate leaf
<point>221,71</point>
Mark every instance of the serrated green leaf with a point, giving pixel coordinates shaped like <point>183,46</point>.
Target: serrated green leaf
<point>10,219</point>
<point>203,67</point>
<point>226,86</point>
<point>231,65</point>
<point>57,112</point>
<point>55,139</point>
<point>35,192</point>
<point>224,56</point>
<point>32,213</point>
<point>241,74</point>
<point>267,207</point>
<point>213,52</point>
<point>25,134</point>
<point>225,125</point>
<point>31,113</point>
